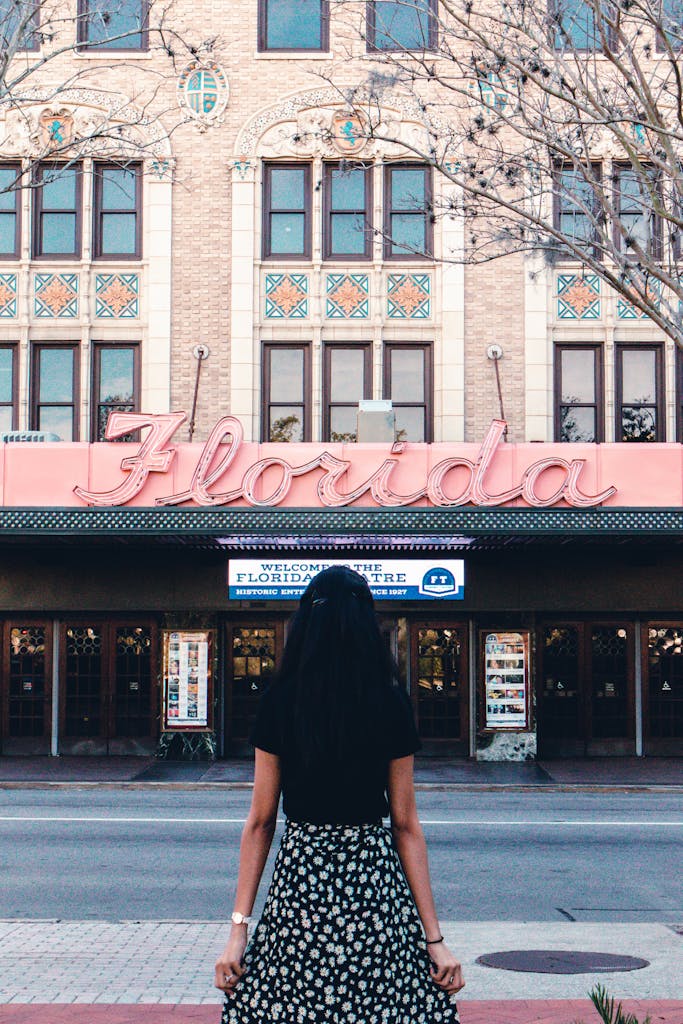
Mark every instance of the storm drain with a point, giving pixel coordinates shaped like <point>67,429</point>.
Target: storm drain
<point>561,961</point>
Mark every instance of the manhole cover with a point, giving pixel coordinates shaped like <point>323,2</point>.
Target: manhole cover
<point>561,961</point>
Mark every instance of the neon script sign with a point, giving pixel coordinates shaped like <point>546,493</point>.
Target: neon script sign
<point>268,482</point>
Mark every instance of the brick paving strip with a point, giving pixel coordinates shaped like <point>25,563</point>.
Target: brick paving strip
<point>518,1011</point>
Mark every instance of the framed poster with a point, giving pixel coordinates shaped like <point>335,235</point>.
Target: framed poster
<point>187,678</point>
<point>506,680</point>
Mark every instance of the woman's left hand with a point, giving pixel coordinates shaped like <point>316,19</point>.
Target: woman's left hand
<point>229,966</point>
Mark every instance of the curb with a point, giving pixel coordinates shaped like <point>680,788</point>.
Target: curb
<point>438,787</point>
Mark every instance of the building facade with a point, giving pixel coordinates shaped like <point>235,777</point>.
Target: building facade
<point>249,253</point>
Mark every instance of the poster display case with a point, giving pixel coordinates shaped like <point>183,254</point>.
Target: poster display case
<point>505,665</point>
<point>187,678</point>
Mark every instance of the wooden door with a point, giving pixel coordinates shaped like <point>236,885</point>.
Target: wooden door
<point>26,706</point>
<point>439,686</point>
<point>254,647</point>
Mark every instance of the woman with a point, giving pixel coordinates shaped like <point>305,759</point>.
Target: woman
<point>349,932</point>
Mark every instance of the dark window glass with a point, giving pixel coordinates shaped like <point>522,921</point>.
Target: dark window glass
<point>407,382</point>
<point>57,212</point>
<point>639,393</point>
<point>575,206</point>
<point>9,210</point>
<point>293,25</point>
<point>117,211</point>
<point>7,388</point>
<point>115,390</point>
<point>285,389</point>
<point>407,222</point>
<point>578,397</point>
<point>55,390</point>
<point>671,31</point>
<point>401,25</point>
<point>574,25</point>
<point>18,25</point>
<point>635,213</point>
<point>286,210</point>
<point>120,25</point>
<point>347,381</point>
<point>348,212</point>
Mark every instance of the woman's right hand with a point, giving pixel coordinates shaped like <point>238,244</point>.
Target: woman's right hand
<point>446,971</point>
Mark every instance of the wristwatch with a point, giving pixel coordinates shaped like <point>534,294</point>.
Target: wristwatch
<point>238,918</point>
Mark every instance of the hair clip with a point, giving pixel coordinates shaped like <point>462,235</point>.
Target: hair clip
<point>319,600</point>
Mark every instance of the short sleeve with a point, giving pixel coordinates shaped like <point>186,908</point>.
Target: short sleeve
<point>401,735</point>
<point>266,733</point>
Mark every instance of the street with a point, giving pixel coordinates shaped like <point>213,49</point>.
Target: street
<point>143,854</point>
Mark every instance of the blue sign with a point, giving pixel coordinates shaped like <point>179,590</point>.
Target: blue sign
<point>388,579</point>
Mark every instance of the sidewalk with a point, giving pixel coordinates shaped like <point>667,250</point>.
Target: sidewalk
<point>148,972</point>
<point>442,773</point>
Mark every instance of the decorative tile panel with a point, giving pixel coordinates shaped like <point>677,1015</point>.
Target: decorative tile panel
<point>286,296</point>
<point>56,295</point>
<point>347,296</point>
<point>578,297</point>
<point>116,296</point>
<point>627,311</point>
<point>409,296</point>
<point>8,295</point>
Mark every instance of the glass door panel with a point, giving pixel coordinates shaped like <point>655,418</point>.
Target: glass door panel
<point>27,683</point>
<point>609,669</point>
<point>665,682</point>
<point>133,681</point>
<point>82,682</point>
<point>439,682</point>
<point>559,708</point>
<point>253,653</point>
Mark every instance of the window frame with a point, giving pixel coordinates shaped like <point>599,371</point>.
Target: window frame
<point>35,404</point>
<point>660,45</point>
<point>594,243</point>
<point>388,211</point>
<point>371,23</point>
<point>366,348</point>
<point>13,347</point>
<point>38,211</point>
<point>328,210</point>
<point>99,212</point>
<point>660,402</point>
<point>82,36</point>
<point>262,32</point>
<point>655,248</point>
<point>553,8</point>
<point>388,347</point>
<point>33,32</point>
<point>96,364</point>
<point>266,242</point>
<point>266,348</point>
<point>598,383</point>
<point>18,191</point>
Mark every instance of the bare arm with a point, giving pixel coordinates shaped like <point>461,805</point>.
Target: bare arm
<point>257,837</point>
<point>412,851</point>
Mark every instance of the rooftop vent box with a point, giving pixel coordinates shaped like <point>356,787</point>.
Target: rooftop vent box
<point>376,421</point>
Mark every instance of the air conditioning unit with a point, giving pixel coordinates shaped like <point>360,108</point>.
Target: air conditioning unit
<point>376,420</point>
<point>28,435</point>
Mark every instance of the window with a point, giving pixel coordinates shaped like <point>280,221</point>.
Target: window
<point>117,211</point>
<point>8,388</point>
<point>57,211</point>
<point>408,383</point>
<point>286,211</point>
<point>407,217</point>
<point>54,404</point>
<point>670,35</point>
<point>576,206</point>
<point>578,393</point>
<point>639,393</point>
<point>573,23</point>
<point>633,205</point>
<point>286,390</point>
<point>347,228</point>
<point>10,207</point>
<point>115,385</point>
<point>18,25</point>
<point>293,25</point>
<point>347,379</point>
<point>103,25</point>
<point>401,25</point>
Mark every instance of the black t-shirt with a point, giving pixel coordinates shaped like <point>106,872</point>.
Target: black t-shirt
<point>350,793</point>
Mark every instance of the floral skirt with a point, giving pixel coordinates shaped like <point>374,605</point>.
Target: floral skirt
<point>340,940</point>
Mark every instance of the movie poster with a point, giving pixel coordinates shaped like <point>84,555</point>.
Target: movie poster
<point>187,671</point>
<point>505,680</point>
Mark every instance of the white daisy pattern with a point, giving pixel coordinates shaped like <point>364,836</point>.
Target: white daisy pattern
<point>335,944</point>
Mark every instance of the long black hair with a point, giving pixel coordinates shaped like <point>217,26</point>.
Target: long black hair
<point>336,668</point>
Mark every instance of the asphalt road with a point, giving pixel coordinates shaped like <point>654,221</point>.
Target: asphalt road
<point>173,854</point>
